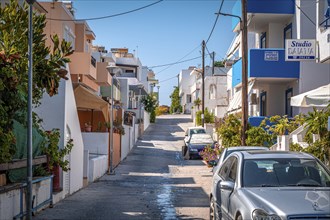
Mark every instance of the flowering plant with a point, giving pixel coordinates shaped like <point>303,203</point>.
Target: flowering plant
<point>149,102</point>
<point>210,155</point>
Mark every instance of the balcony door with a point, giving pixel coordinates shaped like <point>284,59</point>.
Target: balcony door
<point>263,104</point>
<point>288,107</point>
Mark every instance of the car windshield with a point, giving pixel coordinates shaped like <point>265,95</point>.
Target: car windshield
<point>201,138</point>
<point>197,131</point>
<point>285,172</point>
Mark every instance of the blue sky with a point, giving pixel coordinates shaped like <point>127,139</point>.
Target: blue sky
<point>161,34</point>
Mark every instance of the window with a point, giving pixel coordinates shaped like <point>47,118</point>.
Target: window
<point>324,13</point>
<point>188,98</point>
<point>233,171</point>
<point>263,40</point>
<point>263,104</point>
<point>213,90</point>
<point>225,168</point>
<point>129,71</point>
<point>69,36</point>
<point>287,33</point>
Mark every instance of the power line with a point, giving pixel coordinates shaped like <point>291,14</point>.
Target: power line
<point>171,64</point>
<point>215,23</point>
<point>179,61</point>
<point>303,13</point>
<point>108,16</point>
<point>168,79</point>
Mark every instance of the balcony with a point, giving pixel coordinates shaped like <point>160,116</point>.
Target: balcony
<point>83,64</point>
<point>103,77</point>
<point>264,11</point>
<point>267,63</point>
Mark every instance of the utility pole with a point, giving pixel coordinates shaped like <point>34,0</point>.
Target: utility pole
<point>203,76</point>
<point>244,72</point>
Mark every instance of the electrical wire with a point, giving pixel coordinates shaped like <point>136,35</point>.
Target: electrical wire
<point>302,11</point>
<point>108,16</point>
<point>216,21</point>
<point>171,64</point>
<point>168,79</point>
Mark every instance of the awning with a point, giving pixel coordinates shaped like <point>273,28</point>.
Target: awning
<point>319,97</point>
<point>236,103</point>
<point>86,99</point>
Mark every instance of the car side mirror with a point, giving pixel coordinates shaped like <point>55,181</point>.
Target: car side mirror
<point>227,185</point>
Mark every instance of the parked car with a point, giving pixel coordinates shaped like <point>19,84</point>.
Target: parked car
<point>227,151</point>
<point>195,144</point>
<point>273,185</point>
<point>193,130</point>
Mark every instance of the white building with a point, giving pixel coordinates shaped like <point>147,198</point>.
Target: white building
<point>273,80</point>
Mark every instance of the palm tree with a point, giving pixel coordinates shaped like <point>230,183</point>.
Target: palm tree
<point>197,102</point>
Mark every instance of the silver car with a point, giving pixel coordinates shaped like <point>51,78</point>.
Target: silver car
<point>229,150</point>
<point>271,185</point>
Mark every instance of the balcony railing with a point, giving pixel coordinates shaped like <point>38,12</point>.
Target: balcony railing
<point>325,23</point>
<point>93,61</point>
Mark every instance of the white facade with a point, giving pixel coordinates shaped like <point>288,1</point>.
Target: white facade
<point>323,31</point>
<point>270,31</point>
<point>60,111</point>
<point>186,89</point>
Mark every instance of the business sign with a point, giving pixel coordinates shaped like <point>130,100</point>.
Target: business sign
<point>300,50</point>
<point>271,56</point>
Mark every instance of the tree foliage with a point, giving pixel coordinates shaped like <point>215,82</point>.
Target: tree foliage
<point>150,104</point>
<point>175,101</point>
<point>47,69</point>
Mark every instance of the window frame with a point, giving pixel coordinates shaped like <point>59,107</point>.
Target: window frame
<point>263,38</point>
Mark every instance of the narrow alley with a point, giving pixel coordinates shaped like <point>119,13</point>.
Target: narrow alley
<point>153,182</point>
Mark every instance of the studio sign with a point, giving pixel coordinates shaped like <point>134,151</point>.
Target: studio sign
<point>297,50</point>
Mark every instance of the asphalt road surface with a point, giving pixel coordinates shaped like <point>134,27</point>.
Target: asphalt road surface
<point>153,182</point>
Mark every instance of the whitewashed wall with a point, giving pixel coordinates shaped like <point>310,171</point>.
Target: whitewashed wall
<point>60,111</point>
<point>96,142</point>
<point>128,140</point>
<point>98,166</point>
<point>10,200</point>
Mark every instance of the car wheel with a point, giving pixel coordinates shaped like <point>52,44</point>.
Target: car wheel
<point>213,210</point>
<point>187,155</point>
<point>183,151</point>
<point>239,217</point>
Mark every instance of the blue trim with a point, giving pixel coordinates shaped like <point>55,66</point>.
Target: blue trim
<point>271,63</point>
<point>271,6</point>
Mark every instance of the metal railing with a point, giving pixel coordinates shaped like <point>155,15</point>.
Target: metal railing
<point>325,23</point>
<point>34,209</point>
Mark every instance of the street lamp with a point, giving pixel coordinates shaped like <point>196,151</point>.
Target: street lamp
<point>158,93</point>
<point>244,43</point>
<point>140,86</point>
<point>111,69</point>
<point>29,128</point>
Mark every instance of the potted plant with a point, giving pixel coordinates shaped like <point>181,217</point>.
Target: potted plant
<point>280,128</point>
<point>55,156</point>
<point>107,126</point>
<point>88,126</point>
